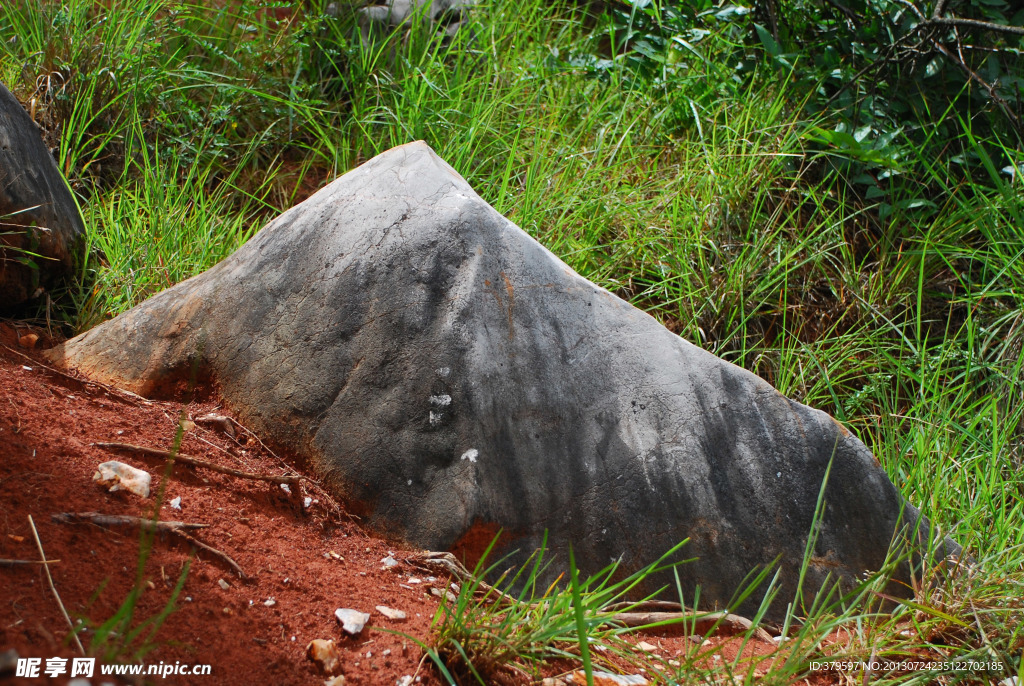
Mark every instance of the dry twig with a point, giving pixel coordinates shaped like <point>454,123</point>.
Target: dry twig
<point>196,462</point>
<point>15,563</point>
<point>170,527</point>
<point>124,396</point>
<point>46,568</point>
<point>179,529</point>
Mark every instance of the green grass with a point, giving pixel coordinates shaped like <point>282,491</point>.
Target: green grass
<point>701,194</point>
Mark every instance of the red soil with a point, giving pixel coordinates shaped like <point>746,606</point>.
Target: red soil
<point>48,422</point>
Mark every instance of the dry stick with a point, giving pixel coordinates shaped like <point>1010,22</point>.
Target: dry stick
<point>117,393</point>
<point>196,462</point>
<point>701,623</point>
<point>170,527</point>
<point>978,24</point>
<point>53,588</point>
<point>4,562</point>
<point>177,528</point>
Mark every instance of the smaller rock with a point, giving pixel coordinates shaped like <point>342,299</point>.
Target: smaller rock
<point>325,655</point>
<point>336,681</point>
<point>389,561</point>
<point>286,488</point>
<point>646,647</point>
<point>223,584</point>
<point>123,477</point>
<point>391,613</point>
<point>446,594</point>
<point>352,621</point>
<point>403,681</point>
<point>176,503</point>
<point>217,421</point>
<point>270,602</point>
<point>28,341</point>
<point>608,679</point>
<point>187,425</point>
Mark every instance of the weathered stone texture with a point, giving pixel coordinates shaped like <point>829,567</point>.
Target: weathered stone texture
<point>37,213</point>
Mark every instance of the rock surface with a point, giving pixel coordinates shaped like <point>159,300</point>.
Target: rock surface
<point>449,378</point>
<point>37,213</point>
<point>447,16</point>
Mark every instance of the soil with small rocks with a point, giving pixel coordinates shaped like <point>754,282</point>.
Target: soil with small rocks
<point>302,559</point>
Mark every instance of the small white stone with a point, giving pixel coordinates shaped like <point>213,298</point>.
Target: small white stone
<point>443,372</point>
<point>352,621</point>
<point>470,454</point>
<point>391,613</point>
<point>306,502</point>
<point>119,476</point>
<point>389,561</point>
<point>176,503</point>
<point>223,584</point>
<point>286,489</point>
<point>270,602</point>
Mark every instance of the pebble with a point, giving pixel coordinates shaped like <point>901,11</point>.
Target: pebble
<point>646,647</point>
<point>391,613</point>
<point>325,654</point>
<point>223,584</point>
<point>352,621</point>
<point>176,503</point>
<point>123,477</point>
<point>389,561</point>
<point>447,594</point>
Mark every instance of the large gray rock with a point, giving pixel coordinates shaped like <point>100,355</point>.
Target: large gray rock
<point>39,221</point>
<point>379,20</point>
<point>449,377</point>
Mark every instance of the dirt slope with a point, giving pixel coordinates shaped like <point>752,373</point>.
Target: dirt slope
<point>48,422</point>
